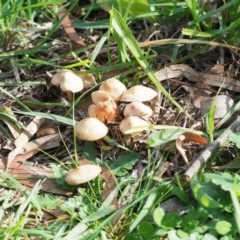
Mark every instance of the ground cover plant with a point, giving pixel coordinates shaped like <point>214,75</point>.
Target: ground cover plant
<point>158,160</point>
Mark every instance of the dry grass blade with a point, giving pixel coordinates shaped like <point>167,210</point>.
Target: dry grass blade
<point>23,138</point>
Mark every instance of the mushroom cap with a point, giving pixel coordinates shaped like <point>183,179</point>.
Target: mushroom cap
<point>68,81</point>
<point>95,112</point>
<point>91,129</point>
<point>130,122</point>
<point>88,79</point>
<point>114,87</point>
<point>138,93</point>
<point>82,174</point>
<point>101,96</point>
<point>138,109</point>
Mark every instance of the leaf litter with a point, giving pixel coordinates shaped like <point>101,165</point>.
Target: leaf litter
<point>29,141</point>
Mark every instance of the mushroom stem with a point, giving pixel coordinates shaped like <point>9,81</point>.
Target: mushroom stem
<point>69,96</point>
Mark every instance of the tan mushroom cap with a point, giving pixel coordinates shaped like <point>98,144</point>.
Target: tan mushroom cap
<point>137,109</point>
<point>101,96</point>
<point>88,79</point>
<point>91,129</point>
<point>68,81</point>
<point>114,87</point>
<point>130,122</point>
<point>138,93</point>
<point>82,174</point>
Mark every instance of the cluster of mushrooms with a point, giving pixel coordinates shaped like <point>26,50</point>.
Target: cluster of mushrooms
<point>105,108</point>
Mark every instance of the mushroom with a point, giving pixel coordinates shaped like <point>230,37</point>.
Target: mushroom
<point>130,122</point>
<point>82,174</point>
<point>95,112</point>
<point>138,93</point>
<point>101,96</point>
<point>105,108</point>
<point>69,82</point>
<point>114,87</point>
<point>137,109</point>
<point>88,79</point>
<point>91,129</point>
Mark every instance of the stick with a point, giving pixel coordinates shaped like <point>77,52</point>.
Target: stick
<point>204,156</point>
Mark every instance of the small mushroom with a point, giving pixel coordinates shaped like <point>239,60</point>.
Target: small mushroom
<point>130,122</point>
<point>101,96</point>
<point>82,174</point>
<point>91,129</point>
<point>114,87</point>
<point>88,79</point>
<point>105,108</point>
<point>95,112</point>
<point>137,109</point>
<point>138,93</point>
<point>69,82</point>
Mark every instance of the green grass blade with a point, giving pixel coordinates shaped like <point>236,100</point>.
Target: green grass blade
<point>53,117</point>
<point>145,210</point>
<point>120,27</point>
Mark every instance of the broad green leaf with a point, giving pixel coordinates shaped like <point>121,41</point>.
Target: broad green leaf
<point>182,234</point>
<point>171,220</point>
<point>158,215</point>
<point>223,227</point>
<point>89,151</point>
<point>202,193</point>
<point>167,134</point>
<point>226,180</point>
<point>234,137</point>
<point>236,205</point>
<point>146,229</point>
<point>123,163</point>
<point>133,7</point>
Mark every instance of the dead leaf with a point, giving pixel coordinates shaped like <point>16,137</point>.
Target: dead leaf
<point>13,128</point>
<point>77,43</point>
<point>179,70</point>
<point>23,138</point>
<point>217,69</point>
<point>188,137</point>
<point>193,137</point>
<point>223,104</point>
<point>181,150</point>
<point>198,94</point>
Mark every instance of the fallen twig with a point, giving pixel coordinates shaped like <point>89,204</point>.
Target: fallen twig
<point>204,156</point>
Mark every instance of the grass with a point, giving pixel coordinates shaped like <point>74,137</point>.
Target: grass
<point>143,176</point>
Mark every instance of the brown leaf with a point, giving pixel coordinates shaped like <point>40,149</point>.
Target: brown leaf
<point>198,94</point>
<point>179,70</point>
<point>188,137</point>
<point>193,137</point>
<point>23,138</point>
<point>77,43</point>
